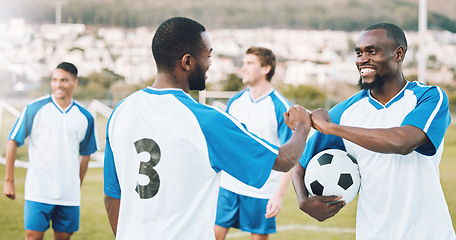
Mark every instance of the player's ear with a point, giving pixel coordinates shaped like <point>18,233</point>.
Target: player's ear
<point>187,62</point>
<point>399,53</point>
<point>266,69</point>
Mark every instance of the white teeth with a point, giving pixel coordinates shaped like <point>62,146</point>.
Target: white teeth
<point>366,70</point>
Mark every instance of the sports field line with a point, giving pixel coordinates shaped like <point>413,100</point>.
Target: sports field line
<point>299,227</point>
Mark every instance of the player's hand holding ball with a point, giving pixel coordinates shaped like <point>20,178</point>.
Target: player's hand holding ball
<point>297,116</point>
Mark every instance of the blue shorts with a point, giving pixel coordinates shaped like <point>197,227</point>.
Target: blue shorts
<point>37,217</point>
<point>244,213</point>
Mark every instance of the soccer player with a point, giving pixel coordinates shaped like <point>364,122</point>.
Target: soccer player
<point>61,135</point>
<point>164,150</point>
<point>260,107</point>
<point>395,129</point>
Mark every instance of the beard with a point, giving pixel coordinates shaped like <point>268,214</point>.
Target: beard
<point>378,82</point>
<point>197,80</point>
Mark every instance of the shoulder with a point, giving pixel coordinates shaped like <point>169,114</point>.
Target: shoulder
<point>236,96</point>
<point>40,102</point>
<point>279,99</point>
<point>83,109</point>
<point>422,90</point>
<point>342,106</point>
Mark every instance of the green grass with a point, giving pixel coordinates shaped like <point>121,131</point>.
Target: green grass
<point>94,223</point>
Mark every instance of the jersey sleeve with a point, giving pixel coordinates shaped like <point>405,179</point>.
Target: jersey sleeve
<point>235,150</point>
<point>111,182</point>
<point>22,128</point>
<point>89,144</point>
<point>281,105</point>
<point>431,115</point>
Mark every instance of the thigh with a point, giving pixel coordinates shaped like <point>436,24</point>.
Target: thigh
<point>65,219</point>
<point>37,215</point>
<point>251,216</point>
<point>227,209</point>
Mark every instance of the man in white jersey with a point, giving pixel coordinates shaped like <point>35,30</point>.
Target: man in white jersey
<point>395,129</point>
<point>260,107</point>
<point>164,150</point>
<point>61,135</point>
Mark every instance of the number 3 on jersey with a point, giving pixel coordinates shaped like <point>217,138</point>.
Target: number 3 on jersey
<point>147,168</point>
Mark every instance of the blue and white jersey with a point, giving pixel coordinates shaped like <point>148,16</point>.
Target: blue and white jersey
<point>400,196</point>
<point>264,117</point>
<point>56,138</point>
<point>163,155</point>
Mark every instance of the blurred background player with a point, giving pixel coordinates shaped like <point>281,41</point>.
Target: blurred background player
<point>260,107</point>
<point>164,150</point>
<point>394,128</point>
<point>61,136</point>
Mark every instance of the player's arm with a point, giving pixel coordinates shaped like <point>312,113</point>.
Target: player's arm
<point>112,206</point>
<point>318,207</point>
<point>398,140</point>
<point>275,203</point>
<point>9,188</point>
<point>83,165</point>
<point>298,119</point>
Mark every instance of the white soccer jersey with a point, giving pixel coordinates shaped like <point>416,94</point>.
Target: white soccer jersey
<point>56,138</point>
<point>163,154</point>
<point>264,117</point>
<point>401,196</point>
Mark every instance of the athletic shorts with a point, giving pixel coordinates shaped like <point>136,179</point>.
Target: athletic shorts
<point>244,213</point>
<point>37,217</point>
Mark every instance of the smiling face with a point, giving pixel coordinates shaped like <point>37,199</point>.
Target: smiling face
<point>63,84</point>
<point>252,71</point>
<point>375,59</point>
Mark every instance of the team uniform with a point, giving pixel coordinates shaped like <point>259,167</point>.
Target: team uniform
<point>239,205</point>
<point>57,137</point>
<point>400,195</point>
<point>163,155</point>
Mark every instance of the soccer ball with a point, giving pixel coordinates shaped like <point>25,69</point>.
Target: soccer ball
<point>333,172</point>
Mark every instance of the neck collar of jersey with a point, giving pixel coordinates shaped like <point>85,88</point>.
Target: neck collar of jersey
<point>379,105</point>
<point>62,110</point>
<point>260,98</point>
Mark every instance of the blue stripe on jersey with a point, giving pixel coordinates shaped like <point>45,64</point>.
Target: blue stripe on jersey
<point>89,144</point>
<point>111,181</point>
<point>281,105</point>
<point>23,126</point>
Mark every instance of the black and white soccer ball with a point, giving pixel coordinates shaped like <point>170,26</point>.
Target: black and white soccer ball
<point>333,172</point>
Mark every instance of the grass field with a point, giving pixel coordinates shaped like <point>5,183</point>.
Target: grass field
<point>292,223</point>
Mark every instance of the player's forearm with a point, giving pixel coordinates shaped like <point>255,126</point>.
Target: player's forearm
<point>298,183</point>
<point>291,151</point>
<point>112,206</point>
<point>398,140</point>
<point>10,157</point>
<point>283,183</point>
<point>83,165</point>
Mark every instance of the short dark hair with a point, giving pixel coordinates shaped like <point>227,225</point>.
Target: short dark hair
<point>266,57</point>
<point>173,39</point>
<point>69,67</point>
<point>393,32</point>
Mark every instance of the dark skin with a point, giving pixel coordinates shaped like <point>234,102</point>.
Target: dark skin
<point>376,54</point>
<point>297,117</point>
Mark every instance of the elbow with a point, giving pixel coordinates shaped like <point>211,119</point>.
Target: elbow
<point>402,148</point>
<point>284,164</point>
